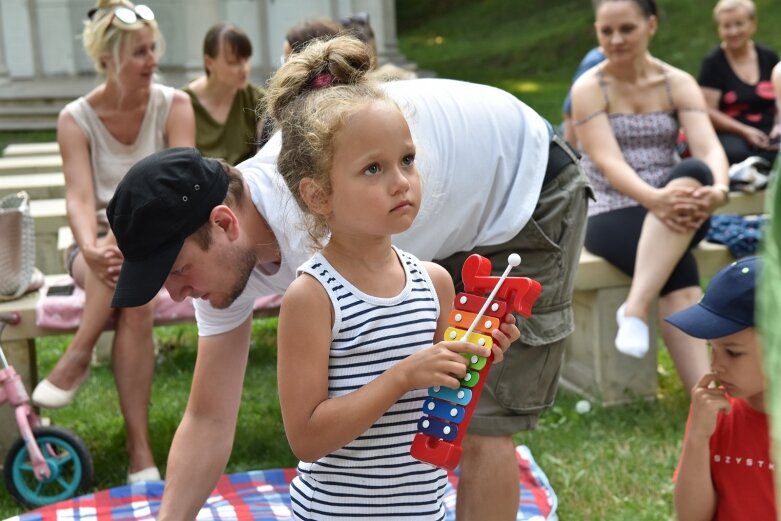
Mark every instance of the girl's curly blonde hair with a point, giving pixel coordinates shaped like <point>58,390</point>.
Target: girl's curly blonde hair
<point>309,99</point>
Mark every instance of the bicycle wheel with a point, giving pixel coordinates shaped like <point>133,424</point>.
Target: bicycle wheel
<point>69,461</point>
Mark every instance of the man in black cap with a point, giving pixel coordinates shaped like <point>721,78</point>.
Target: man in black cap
<point>496,181</point>
<point>725,470</point>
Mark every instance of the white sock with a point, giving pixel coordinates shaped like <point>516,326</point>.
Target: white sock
<point>632,337</point>
<point>620,314</point>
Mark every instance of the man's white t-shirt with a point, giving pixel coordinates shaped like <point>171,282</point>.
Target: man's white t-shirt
<point>481,154</point>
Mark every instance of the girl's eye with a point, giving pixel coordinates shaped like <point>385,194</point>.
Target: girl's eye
<point>408,160</point>
<point>733,354</point>
<point>372,170</point>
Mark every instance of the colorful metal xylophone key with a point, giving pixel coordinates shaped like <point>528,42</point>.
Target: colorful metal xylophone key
<point>447,412</point>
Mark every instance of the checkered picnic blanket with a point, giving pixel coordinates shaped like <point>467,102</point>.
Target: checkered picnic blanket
<point>263,495</point>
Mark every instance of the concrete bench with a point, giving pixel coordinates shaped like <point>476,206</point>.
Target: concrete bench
<point>745,203</point>
<point>31,149</point>
<point>19,341</point>
<point>30,164</point>
<point>592,365</point>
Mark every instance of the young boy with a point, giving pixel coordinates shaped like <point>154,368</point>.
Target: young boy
<point>725,471</point>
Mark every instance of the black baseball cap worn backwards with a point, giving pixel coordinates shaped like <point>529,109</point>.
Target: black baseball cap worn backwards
<point>162,200</point>
<point>727,306</point>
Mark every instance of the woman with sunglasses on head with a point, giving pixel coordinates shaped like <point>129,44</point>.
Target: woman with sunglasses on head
<point>224,100</point>
<point>101,135</point>
<point>651,207</point>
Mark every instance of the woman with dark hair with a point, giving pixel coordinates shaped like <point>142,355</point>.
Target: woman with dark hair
<point>224,100</point>
<point>651,207</point>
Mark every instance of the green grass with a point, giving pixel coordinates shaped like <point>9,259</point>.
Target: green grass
<point>95,415</point>
<point>610,464</point>
<point>531,47</point>
<point>31,136</point>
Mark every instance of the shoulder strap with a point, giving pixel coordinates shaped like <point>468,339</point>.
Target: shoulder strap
<point>603,87</point>
<point>667,87</point>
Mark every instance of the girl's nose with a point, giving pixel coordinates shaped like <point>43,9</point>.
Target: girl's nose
<point>400,181</point>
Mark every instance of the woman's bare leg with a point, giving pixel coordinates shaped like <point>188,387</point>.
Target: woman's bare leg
<point>689,354</point>
<point>74,363</point>
<point>659,250</point>
<point>133,361</point>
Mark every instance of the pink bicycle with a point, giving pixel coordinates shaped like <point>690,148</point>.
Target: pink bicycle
<point>47,464</point>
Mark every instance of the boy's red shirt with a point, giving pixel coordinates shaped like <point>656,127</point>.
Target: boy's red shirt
<point>741,467</point>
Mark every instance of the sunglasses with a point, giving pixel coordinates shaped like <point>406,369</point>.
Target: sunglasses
<point>126,15</point>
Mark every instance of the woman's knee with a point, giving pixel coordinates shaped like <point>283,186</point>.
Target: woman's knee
<point>691,169</point>
<point>680,298</point>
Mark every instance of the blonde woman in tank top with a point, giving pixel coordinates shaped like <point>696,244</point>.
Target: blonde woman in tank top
<point>122,120</point>
<point>651,208</point>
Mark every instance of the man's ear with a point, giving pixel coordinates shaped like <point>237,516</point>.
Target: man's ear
<point>314,196</point>
<point>223,217</point>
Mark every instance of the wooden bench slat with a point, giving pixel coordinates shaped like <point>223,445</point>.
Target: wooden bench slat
<point>49,185</point>
<point>31,149</point>
<point>49,215</point>
<point>30,164</point>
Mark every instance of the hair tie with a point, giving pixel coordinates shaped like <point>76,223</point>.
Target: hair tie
<point>324,79</point>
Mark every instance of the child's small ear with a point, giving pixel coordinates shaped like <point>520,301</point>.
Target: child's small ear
<point>314,196</point>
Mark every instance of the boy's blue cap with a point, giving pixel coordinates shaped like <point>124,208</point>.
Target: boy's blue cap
<point>727,306</point>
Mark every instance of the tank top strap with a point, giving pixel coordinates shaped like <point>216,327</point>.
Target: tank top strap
<point>668,89</point>
<point>603,86</point>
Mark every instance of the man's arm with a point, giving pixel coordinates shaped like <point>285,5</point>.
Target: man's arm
<point>203,441</point>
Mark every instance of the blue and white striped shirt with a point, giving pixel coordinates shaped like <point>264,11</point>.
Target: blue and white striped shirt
<point>374,476</point>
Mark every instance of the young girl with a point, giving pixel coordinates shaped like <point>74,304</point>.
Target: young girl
<point>356,327</point>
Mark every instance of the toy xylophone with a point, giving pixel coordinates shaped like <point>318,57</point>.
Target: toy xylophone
<point>447,411</point>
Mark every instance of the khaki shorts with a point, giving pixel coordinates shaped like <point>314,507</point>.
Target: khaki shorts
<point>524,384</point>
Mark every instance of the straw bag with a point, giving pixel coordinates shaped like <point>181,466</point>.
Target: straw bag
<point>17,247</point>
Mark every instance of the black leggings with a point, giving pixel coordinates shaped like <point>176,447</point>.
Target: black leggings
<point>614,235</point>
<point>737,149</point>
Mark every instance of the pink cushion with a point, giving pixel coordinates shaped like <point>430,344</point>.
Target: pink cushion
<point>63,312</point>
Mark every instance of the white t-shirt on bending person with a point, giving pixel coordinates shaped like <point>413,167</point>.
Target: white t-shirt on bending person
<point>481,154</point>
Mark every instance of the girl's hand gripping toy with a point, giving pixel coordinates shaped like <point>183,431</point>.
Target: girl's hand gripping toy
<point>447,412</point>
